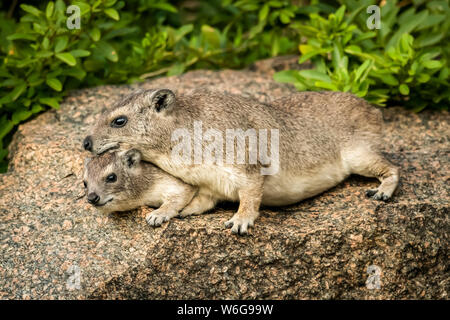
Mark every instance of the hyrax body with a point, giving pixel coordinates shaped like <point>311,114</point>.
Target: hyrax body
<point>323,138</point>
<point>120,181</point>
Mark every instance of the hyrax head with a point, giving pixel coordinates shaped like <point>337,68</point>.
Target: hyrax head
<point>113,180</point>
<point>142,119</point>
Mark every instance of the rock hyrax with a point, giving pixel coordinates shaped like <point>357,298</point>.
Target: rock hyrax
<point>323,138</point>
<point>120,181</point>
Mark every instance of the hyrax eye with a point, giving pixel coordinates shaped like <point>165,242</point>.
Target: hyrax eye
<point>85,184</point>
<point>111,178</point>
<point>119,122</point>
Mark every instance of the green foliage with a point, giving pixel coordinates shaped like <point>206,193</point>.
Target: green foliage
<point>406,61</point>
<point>41,59</point>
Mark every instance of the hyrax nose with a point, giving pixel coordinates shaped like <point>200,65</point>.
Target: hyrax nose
<point>93,198</point>
<point>87,143</point>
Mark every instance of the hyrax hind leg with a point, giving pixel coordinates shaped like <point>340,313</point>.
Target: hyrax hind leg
<point>250,196</point>
<point>172,205</point>
<point>200,204</point>
<point>369,163</point>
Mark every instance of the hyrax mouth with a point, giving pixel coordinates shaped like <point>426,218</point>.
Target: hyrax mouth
<point>107,148</point>
<point>102,204</point>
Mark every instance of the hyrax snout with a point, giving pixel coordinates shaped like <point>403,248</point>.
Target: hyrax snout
<point>120,181</point>
<point>311,140</point>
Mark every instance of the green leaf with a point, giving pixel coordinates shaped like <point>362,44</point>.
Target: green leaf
<point>363,70</point>
<point>18,90</point>
<point>389,79</point>
<point>313,53</point>
<point>109,3</point>
<point>95,34</point>
<point>338,58</point>
<point>365,36</point>
<point>182,31</point>
<point>80,53</point>
<point>112,13</point>
<point>77,73</point>
<point>426,39</point>
<point>45,43</point>
<point>107,51</point>
<point>291,76</point>
<point>52,102</point>
<point>36,108</point>
<point>5,126</point>
<point>30,9</point>
<point>286,76</point>
<point>84,7</point>
<point>326,85</point>
<point>176,69</point>
<point>44,54</point>
<point>432,64</point>
<point>61,43</point>
<point>263,12</point>
<point>165,6</point>
<point>431,20</point>
<point>49,10</point>
<point>404,89</point>
<point>211,35</point>
<point>20,115</point>
<point>314,75</point>
<point>354,13</point>
<point>340,14</point>
<point>54,83</point>
<point>67,58</point>
<point>22,36</point>
<point>284,18</point>
<point>423,78</point>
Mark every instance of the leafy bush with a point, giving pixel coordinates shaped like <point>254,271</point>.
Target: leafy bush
<point>406,61</point>
<point>41,59</point>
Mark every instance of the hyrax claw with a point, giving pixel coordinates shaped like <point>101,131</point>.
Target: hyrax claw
<point>239,225</point>
<point>377,195</point>
<point>156,220</point>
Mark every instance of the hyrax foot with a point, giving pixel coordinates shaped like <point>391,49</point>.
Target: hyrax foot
<point>365,162</point>
<point>239,224</point>
<point>157,218</point>
<point>249,201</point>
<point>377,195</point>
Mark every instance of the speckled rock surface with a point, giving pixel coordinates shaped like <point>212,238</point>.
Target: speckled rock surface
<point>53,245</point>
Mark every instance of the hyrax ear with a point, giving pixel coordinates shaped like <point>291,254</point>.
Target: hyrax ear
<point>131,158</point>
<point>161,99</point>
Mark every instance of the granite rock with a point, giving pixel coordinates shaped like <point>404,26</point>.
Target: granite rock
<point>338,245</point>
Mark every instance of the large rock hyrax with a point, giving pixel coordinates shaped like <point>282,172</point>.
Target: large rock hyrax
<point>120,181</point>
<point>322,138</point>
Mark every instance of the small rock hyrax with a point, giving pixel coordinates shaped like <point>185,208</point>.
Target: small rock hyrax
<point>120,181</point>
<point>323,137</point>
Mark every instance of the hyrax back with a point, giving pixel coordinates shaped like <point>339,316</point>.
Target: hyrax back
<point>322,138</point>
<point>120,181</point>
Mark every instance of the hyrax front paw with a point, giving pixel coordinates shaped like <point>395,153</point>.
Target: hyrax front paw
<point>377,194</point>
<point>156,219</point>
<point>239,224</point>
